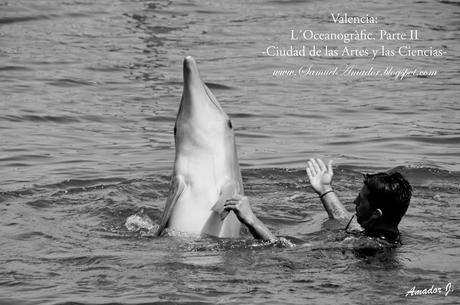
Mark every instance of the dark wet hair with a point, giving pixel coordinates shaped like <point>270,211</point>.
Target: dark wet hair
<point>390,193</point>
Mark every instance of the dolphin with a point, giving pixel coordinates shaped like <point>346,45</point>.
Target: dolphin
<point>206,170</point>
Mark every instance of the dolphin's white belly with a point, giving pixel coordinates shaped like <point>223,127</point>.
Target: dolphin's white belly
<point>204,179</point>
<point>193,209</point>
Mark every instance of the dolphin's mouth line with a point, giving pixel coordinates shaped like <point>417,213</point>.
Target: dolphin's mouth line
<point>212,100</point>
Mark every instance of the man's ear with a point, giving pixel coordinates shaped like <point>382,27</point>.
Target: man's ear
<point>377,213</point>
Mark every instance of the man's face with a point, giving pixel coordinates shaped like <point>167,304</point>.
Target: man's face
<point>363,208</point>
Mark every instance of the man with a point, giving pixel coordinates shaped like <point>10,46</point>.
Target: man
<point>380,205</point>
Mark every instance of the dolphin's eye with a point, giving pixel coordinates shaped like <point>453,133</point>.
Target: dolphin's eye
<point>175,129</point>
<point>229,123</point>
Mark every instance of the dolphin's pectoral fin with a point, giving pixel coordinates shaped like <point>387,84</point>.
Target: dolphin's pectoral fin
<point>177,188</point>
<point>227,191</point>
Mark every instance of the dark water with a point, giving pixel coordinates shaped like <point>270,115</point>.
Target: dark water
<point>89,92</point>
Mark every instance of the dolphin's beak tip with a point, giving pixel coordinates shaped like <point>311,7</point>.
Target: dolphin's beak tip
<point>189,63</point>
<point>188,59</point>
<point>190,67</point>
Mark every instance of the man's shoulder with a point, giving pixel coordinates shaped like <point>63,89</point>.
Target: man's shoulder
<point>363,241</point>
<point>380,241</point>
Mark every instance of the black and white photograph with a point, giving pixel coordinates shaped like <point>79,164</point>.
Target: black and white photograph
<point>229,152</point>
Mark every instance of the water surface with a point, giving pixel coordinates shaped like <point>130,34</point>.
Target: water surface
<point>89,94</point>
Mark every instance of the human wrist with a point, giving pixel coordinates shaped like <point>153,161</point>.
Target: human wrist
<point>320,189</point>
<point>323,195</point>
<point>324,190</point>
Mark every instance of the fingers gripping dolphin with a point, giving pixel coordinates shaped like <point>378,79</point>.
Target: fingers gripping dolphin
<point>206,170</point>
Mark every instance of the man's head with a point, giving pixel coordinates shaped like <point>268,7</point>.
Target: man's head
<point>383,200</point>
